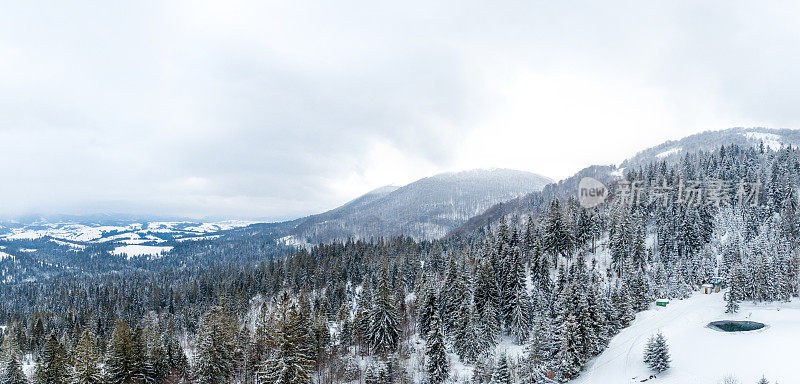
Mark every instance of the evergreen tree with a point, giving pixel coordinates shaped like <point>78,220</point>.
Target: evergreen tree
<point>656,354</point>
<point>502,374</point>
<point>11,362</point>
<point>469,338</point>
<point>427,308</point>
<point>52,367</point>
<point>519,323</point>
<point>122,367</point>
<point>571,356</point>
<point>437,367</point>
<point>384,329</point>
<point>490,326</point>
<point>734,292</point>
<point>290,362</point>
<point>86,361</point>
<point>156,361</point>
<point>216,344</point>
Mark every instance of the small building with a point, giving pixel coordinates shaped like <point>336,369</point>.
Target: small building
<point>662,302</point>
<point>708,288</point>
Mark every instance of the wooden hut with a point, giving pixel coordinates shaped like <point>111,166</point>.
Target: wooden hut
<point>708,288</point>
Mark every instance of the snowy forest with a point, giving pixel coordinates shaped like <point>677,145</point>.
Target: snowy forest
<point>530,298</point>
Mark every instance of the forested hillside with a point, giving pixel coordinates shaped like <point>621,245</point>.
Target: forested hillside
<point>534,295</point>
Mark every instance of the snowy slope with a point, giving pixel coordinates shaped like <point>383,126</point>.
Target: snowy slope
<point>701,355</point>
<point>425,209</point>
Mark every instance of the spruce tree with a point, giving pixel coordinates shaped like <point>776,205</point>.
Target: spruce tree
<point>656,354</point>
<point>216,344</point>
<point>52,367</point>
<point>502,374</point>
<point>437,366</point>
<point>290,362</point>
<point>86,361</point>
<point>734,292</point>
<point>571,356</point>
<point>519,323</point>
<point>469,340</point>
<point>384,330</point>
<point>11,362</point>
<point>121,366</point>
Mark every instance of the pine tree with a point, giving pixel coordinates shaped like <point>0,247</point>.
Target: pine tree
<point>52,368</point>
<point>469,339</point>
<point>557,238</point>
<point>121,365</point>
<point>490,326</point>
<point>86,366</point>
<point>216,344</point>
<point>384,331</point>
<point>437,367</point>
<point>734,292</point>
<point>763,380</point>
<point>519,323</point>
<point>156,361</point>
<point>290,362</point>
<point>656,354</point>
<point>11,362</point>
<point>427,308</point>
<point>502,374</point>
<point>571,356</point>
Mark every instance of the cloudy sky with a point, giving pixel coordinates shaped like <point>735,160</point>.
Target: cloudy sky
<point>274,110</point>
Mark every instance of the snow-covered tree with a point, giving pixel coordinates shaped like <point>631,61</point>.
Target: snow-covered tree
<point>436,366</point>
<point>656,353</point>
<point>86,361</point>
<point>384,335</point>
<point>11,362</point>
<point>216,344</point>
<point>502,373</point>
<point>52,367</point>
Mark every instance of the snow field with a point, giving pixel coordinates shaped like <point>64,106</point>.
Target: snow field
<point>701,355</point>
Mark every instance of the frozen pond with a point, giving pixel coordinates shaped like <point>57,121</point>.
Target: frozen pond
<point>735,326</point>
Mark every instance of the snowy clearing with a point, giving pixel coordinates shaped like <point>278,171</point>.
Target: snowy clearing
<point>140,250</point>
<point>771,140</point>
<point>701,355</point>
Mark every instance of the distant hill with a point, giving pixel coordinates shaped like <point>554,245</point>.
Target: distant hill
<point>425,209</point>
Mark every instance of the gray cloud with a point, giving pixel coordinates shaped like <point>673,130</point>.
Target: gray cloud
<point>270,110</point>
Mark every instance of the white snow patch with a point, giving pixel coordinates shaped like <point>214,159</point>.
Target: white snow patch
<point>4,255</point>
<point>198,238</point>
<point>700,354</point>
<point>294,241</point>
<point>220,226</point>
<point>140,250</point>
<point>771,140</point>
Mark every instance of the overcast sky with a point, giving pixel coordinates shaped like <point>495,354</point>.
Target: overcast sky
<point>274,110</point>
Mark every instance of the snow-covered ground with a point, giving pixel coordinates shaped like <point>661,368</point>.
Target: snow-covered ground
<point>701,355</point>
<point>140,250</point>
<point>771,140</point>
<point>132,234</point>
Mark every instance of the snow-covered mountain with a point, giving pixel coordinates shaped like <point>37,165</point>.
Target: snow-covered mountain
<point>669,151</point>
<point>710,140</point>
<point>425,209</point>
